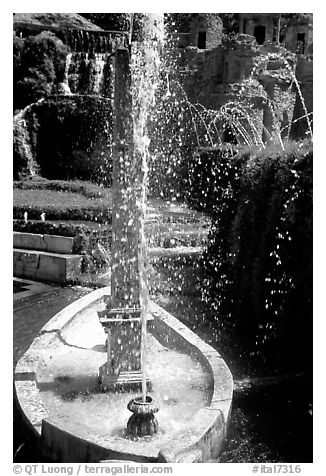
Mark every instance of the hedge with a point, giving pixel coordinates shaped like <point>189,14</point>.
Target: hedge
<point>258,263</point>
<point>95,213</point>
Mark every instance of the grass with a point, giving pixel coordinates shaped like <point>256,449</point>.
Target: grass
<point>62,200</point>
<point>52,198</point>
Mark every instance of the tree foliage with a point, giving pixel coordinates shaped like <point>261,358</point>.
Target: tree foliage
<point>39,62</point>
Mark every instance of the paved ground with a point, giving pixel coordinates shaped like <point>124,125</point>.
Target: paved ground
<point>34,304</point>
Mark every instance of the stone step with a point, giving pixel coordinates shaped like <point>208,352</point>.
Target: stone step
<point>46,266</point>
<point>50,243</point>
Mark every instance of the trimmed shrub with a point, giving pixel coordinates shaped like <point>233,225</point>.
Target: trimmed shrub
<point>258,264</point>
<point>45,228</point>
<point>69,138</point>
<point>92,213</point>
<point>210,171</point>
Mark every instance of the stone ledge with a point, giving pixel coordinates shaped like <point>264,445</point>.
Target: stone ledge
<point>50,243</point>
<point>45,266</point>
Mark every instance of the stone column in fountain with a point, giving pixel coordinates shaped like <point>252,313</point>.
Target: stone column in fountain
<point>125,239</point>
<point>133,98</point>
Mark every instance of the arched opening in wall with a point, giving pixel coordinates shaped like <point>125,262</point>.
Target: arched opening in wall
<point>229,136</point>
<point>245,25</point>
<point>300,43</point>
<point>260,34</point>
<point>201,42</point>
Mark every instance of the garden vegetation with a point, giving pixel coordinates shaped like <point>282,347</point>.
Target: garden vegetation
<point>258,263</point>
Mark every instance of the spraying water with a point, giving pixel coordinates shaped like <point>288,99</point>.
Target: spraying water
<point>145,68</point>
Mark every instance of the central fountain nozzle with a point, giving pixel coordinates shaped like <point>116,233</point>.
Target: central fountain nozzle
<point>143,421</point>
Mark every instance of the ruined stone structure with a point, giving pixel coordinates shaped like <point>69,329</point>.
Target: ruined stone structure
<point>212,75</point>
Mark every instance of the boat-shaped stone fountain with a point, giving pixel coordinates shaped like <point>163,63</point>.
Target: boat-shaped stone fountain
<point>113,376</point>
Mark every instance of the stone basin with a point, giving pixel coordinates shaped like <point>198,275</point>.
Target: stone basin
<point>57,389</point>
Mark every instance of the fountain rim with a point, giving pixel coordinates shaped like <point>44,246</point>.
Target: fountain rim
<point>205,433</point>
